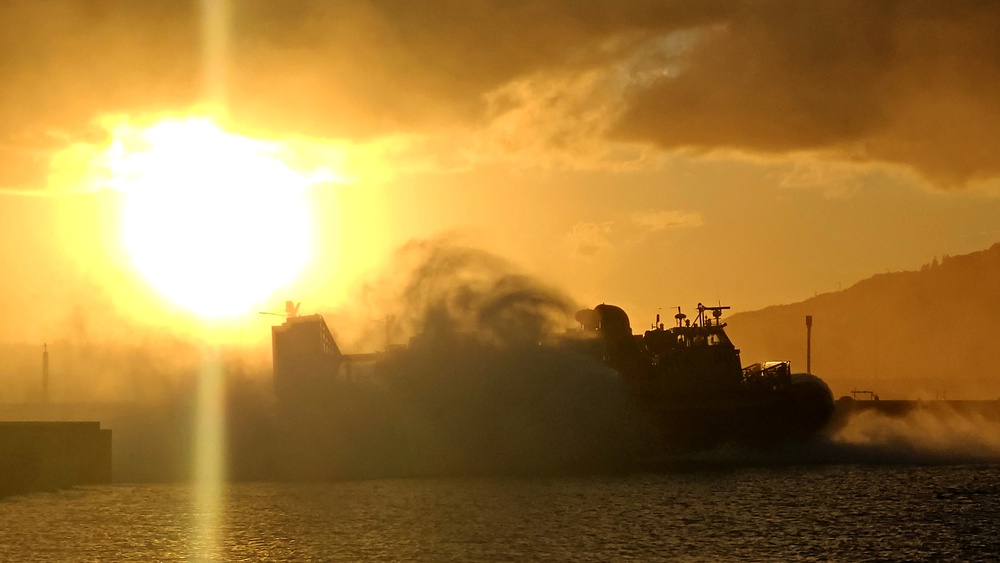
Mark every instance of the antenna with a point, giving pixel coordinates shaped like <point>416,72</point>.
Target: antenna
<point>680,316</point>
<point>291,310</point>
<point>656,323</point>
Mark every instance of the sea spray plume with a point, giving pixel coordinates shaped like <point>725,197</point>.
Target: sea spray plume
<point>469,407</point>
<point>473,392</point>
<point>439,286</point>
<point>457,289</point>
<point>929,433</point>
<point>478,392</point>
<point>932,433</point>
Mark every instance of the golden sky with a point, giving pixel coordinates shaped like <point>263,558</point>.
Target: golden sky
<point>645,153</point>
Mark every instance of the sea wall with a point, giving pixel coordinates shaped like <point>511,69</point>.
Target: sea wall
<point>40,456</point>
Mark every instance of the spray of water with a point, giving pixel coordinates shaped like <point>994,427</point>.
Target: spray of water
<point>474,392</point>
<point>928,433</point>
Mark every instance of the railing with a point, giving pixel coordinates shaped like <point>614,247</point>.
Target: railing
<point>768,373</point>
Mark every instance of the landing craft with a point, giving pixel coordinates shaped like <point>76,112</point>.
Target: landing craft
<point>687,378</point>
<point>690,381</point>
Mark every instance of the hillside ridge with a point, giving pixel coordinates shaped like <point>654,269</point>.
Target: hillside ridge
<point>921,333</point>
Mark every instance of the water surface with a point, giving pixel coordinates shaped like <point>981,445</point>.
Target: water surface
<point>838,513</point>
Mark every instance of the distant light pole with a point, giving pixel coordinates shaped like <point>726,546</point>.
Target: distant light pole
<point>45,373</point>
<point>809,326</point>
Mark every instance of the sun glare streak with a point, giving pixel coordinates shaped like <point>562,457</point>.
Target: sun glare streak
<point>209,456</point>
<point>215,46</point>
<point>228,187</point>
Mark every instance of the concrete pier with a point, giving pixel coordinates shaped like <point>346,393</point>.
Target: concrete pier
<point>40,456</point>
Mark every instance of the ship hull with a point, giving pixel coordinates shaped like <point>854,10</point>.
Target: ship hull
<point>748,419</point>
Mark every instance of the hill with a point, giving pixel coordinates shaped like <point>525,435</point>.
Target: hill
<point>932,333</point>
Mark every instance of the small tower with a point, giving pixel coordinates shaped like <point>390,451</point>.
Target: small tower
<point>45,373</point>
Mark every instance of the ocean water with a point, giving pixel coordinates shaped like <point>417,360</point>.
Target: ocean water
<point>814,513</point>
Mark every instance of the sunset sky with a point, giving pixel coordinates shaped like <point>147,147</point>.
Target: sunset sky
<point>644,153</point>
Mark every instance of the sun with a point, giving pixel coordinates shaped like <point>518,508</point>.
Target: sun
<point>214,221</point>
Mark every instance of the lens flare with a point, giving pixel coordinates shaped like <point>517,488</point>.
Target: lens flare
<point>209,469</point>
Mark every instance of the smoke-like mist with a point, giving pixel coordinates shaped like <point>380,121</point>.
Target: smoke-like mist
<point>462,407</point>
<point>473,392</point>
<point>932,433</point>
<point>438,288</point>
<point>929,433</point>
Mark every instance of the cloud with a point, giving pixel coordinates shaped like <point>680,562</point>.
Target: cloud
<point>554,120</point>
<point>557,82</point>
<point>654,221</point>
<point>909,83</point>
<point>587,239</point>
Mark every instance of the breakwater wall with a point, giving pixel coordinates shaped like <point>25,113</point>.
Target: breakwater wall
<point>40,456</point>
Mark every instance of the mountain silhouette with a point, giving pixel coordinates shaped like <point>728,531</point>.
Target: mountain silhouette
<point>926,334</point>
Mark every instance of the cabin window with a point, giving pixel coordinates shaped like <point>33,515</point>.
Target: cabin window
<point>713,339</point>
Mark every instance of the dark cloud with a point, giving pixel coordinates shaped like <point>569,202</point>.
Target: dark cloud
<point>902,82</point>
<point>363,67</point>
